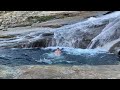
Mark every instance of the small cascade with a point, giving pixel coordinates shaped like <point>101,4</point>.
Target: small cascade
<point>110,33</point>
<point>42,40</point>
<point>78,35</point>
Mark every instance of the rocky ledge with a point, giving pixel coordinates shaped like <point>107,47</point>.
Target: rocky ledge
<point>43,18</point>
<point>60,72</point>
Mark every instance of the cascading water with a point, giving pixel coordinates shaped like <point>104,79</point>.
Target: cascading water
<point>78,35</point>
<point>108,34</point>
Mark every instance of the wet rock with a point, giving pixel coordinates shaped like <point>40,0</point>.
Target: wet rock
<point>40,43</point>
<point>109,35</point>
<point>78,35</point>
<point>1,27</point>
<point>47,34</point>
<point>118,51</point>
<point>115,46</point>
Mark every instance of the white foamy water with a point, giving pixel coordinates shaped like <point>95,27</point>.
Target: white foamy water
<point>72,56</point>
<point>71,35</point>
<point>78,51</point>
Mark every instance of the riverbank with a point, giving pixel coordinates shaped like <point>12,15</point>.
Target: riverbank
<point>60,72</point>
<point>13,19</point>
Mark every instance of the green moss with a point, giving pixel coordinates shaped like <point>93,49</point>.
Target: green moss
<point>35,19</point>
<point>8,36</point>
<point>64,15</point>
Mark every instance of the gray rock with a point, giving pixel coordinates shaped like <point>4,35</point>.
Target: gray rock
<point>19,18</point>
<point>60,72</point>
<point>1,27</point>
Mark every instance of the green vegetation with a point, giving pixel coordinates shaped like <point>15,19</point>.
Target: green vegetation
<point>8,36</point>
<point>39,19</point>
<point>34,19</point>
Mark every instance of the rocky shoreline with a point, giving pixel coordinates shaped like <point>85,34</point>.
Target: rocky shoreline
<point>18,23</point>
<point>43,18</point>
<point>60,72</point>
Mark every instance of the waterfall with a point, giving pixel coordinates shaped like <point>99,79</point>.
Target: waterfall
<point>110,33</point>
<point>78,35</point>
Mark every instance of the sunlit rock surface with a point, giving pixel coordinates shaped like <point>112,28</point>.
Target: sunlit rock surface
<point>60,72</point>
<point>27,18</point>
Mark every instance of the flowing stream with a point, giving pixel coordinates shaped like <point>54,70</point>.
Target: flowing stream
<point>36,47</point>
